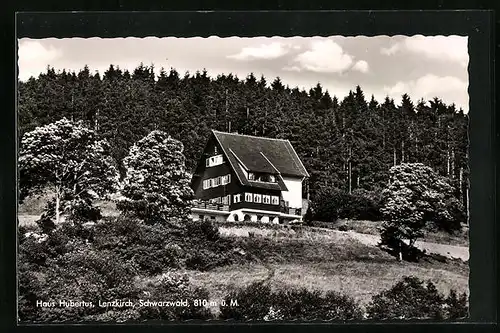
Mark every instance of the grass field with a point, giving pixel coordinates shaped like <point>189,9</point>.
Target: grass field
<point>340,264</point>
<point>372,228</point>
<point>314,258</point>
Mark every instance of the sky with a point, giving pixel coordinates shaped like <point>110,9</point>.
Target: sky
<point>421,66</point>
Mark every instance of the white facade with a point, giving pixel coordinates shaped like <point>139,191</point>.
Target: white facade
<point>294,193</point>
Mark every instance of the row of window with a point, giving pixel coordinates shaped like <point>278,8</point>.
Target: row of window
<point>214,160</point>
<point>226,200</point>
<point>262,198</point>
<point>249,197</point>
<point>217,181</point>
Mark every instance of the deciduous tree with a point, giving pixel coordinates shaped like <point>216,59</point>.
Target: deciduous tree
<point>156,185</point>
<point>70,160</point>
<point>416,197</point>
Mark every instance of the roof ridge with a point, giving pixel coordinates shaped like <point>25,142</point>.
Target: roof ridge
<point>293,159</point>
<point>250,136</point>
<point>300,161</point>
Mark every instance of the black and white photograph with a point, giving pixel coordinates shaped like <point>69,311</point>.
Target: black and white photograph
<point>266,179</point>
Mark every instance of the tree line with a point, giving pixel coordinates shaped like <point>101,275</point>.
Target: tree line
<point>348,144</point>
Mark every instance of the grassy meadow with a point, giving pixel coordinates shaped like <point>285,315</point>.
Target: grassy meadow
<point>316,258</point>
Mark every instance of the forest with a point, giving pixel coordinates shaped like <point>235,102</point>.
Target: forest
<point>347,144</point>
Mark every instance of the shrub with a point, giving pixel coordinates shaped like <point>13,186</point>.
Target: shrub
<point>254,303</point>
<point>259,302</point>
<point>83,275</point>
<point>144,245</point>
<point>82,210</point>
<point>456,306</point>
<point>203,229</point>
<point>333,204</point>
<point>172,286</point>
<point>364,205</point>
<point>390,241</point>
<point>344,227</point>
<point>312,305</point>
<point>407,299</point>
<point>328,205</point>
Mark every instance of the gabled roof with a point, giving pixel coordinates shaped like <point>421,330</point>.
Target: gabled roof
<point>259,154</point>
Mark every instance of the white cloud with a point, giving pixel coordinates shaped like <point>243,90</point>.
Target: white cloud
<point>34,58</point>
<point>390,50</point>
<point>448,88</point>
<point>361,66</point>
<point>265,51</point>
<point>452,48</point>
<point>325,56</point>
<point>444,48</point>
<point>292,68</point>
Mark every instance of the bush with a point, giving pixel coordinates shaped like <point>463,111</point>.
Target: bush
<point>203,229</point>
<point>172,286</point>
<point>456,306</point>
<point>254,303</point>
<point>364,205</point>
<point>81,275</point>
<point>394,246</point>
<point>411,298</point>
<point>312,305</point>
<point>204,260</point>
<point>259,302</point>
<point>82,210</point>
<point>147,246</point>
<point>101,261</point>
<point>332,204</point>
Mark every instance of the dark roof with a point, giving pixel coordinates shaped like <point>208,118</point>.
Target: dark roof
<point>258,154</point>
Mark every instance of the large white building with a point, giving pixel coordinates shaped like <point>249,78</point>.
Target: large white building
<point>248,178</point>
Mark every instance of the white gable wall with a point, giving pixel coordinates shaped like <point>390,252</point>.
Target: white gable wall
<point>294,193</point>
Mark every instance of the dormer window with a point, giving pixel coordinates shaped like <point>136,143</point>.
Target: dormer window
<point>214,160</point>
<point>251,176</point>
<point>272,178</point>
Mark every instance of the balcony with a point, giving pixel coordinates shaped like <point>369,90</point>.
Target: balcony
<point>211,206</point>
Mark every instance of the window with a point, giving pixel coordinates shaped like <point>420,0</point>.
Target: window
<point>212,217</point>
<point>275,200</point>
<point>272,179</point>
<point>226,179</point>
<point>237,198</point>
<point>217,181</point>
<point>214,160</point>
<point>218,200</point>
<point>226,200</point>
<point>266,199</point>
<point>257,198</point>
<point>248,197</point>
<point>251,176</point>
<point>206,184</point>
